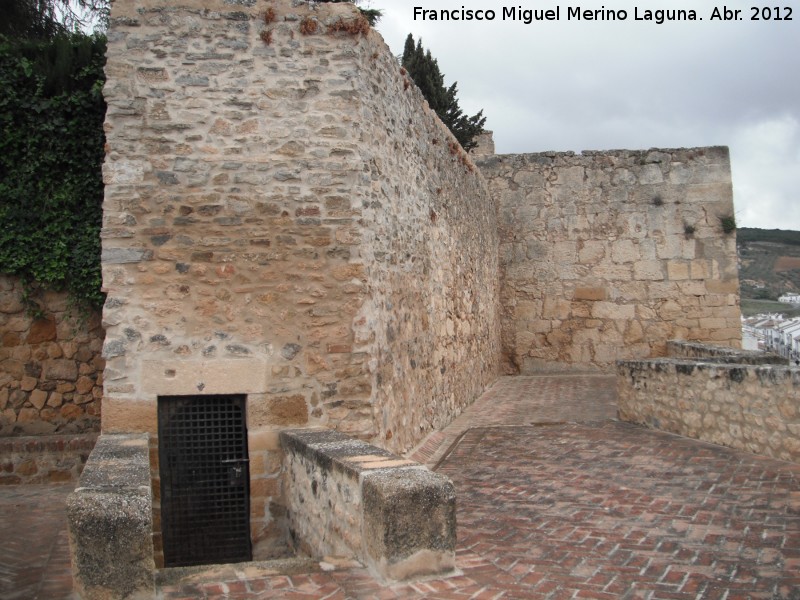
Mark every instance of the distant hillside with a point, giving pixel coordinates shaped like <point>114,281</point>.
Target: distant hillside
<point>769,262</point>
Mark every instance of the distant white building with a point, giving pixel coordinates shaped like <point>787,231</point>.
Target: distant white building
<point>790,299</point>
<point>758,332</point>
<point>784,339</point>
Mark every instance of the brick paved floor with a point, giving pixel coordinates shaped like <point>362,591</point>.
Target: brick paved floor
<point>556,501</point>
<point>527,401</point>
<point>34,549</point>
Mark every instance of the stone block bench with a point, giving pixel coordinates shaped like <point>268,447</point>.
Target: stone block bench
<point>348,498</point>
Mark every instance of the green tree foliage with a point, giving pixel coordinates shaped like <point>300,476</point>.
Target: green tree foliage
<point>51,152</point>
<point>774,236</point>
<point>46,19</point>
<point>372,15</point>
<point>424,70</point>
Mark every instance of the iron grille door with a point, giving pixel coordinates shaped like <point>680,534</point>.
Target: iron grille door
<point>205,496</point>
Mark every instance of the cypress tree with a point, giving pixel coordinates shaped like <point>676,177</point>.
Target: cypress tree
<point>424,70</point>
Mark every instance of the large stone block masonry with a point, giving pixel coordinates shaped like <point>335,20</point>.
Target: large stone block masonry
<point>284,202</point>
<point>348,498</point>
<point>607,255</point>
<point>285,218</point>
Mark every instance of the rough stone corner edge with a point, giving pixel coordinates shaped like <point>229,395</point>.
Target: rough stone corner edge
<point>110,522</point>
<point>409,524</point>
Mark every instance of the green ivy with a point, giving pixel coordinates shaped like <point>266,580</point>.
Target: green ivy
<point>51,154</point>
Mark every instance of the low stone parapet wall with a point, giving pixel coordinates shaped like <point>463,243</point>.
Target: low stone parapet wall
<point>711,353</point>
<point>110,520</point>
<point>44,459</point>
<point>348,498</point>
<point>755,408</point>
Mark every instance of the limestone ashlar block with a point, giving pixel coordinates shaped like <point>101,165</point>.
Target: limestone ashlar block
<point>590,293</point>
<point>110,521</point>
<point>220,376</point>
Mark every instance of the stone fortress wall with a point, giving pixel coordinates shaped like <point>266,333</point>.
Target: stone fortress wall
<point>285,218</point>
<point>745,400</point>
<point>607,255</point>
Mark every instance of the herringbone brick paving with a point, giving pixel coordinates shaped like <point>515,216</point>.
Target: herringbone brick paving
<point>34,549</point>
<point>556,500</point>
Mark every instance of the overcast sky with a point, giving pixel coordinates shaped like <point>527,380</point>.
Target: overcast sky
<point>597,85</point>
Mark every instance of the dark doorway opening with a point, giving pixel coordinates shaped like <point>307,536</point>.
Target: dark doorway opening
<point>205,480</point>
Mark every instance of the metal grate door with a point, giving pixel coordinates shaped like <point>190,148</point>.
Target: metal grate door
<point>205,496</point>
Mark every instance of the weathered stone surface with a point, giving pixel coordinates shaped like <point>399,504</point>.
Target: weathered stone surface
<point>350,498</point>
<point>38,398</point>
<point>36,365</point>
<point>61,369</point>
<point>722,354</point>
<point>111,521</point>
<point>730,398</point>
<point>171,376</point>
<point>45,458</point>
<point>323,256</point>
<point>290,221</point>
<point>409,523</point>
<point>42,330</point>
<point>118,256</point>
<point>600,240</point>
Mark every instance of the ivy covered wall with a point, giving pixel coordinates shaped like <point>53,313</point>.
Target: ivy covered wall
<point>51,192</point>
<point>51,152</point>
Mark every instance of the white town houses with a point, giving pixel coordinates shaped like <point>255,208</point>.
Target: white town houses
<point>774,333</point>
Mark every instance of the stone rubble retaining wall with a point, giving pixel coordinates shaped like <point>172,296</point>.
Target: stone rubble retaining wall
<point>110,522</point>
<point>51,369</point>
<point>606,255</point>
<point>749,406</point>
<point>44,459</point>
<point>348,498</point>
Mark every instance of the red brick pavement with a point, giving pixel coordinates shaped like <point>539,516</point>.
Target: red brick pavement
<point>527,401</point>
<point>555,502</point>
<point>34,549</point>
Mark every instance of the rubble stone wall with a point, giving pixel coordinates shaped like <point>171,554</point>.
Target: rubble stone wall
<point>51,368</point>
<point>722,354</point>
<point>607,255</point>
<point>755,408</point>
<point>285,218</point>
<point>44,459</point>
